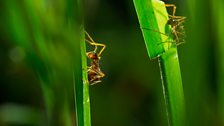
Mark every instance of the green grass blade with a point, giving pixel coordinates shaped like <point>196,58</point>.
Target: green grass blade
<point>82,99</point>
<point>218,17</point>
<point>82,86</point>
<point>49,53</point>
<point>172,87</point>
<point>152,14</point>
<point>152,18</point>
<point>221,49</point>
<point>86,97</point>
<point>199,102</point>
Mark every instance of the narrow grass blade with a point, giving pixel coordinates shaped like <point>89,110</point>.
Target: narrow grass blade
<point>221,65</point>
<point>86,97</point>
<point>152,14</point>
<point>81,87</point>
<point>218,17</point>
<point>82,98</point>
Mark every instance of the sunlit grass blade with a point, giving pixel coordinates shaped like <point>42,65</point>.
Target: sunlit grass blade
<point>172,87</point>
<point>153,16</point>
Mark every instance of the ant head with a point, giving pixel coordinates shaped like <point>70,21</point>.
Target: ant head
<point>172,22</point>
<point>92,55</point>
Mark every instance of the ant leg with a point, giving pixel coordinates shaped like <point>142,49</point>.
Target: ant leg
<point>167,35</point>
<point>103,47</point>
<point>97,44</point>
<point>91,40</point>
<point>175,33</point>
<point>173,6</point>
<point>177,17</point>
<point>180,33</point>
<point>175,36</point>
<point>95,81</point>
<point>92,43</point>
<point>172,29</point>
<point>166,42</point>
<point>154,31</point>
<point>179,43</point>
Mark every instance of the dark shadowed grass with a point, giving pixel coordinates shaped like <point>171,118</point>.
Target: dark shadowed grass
<point>218,19</point>
<point>49,35</point>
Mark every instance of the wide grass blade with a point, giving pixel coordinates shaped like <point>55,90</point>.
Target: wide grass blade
<point>172,87</point>
<point>199,78</point>
<point>153,16</point>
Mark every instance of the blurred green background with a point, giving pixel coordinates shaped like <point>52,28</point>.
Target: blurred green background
<point>36,55</point>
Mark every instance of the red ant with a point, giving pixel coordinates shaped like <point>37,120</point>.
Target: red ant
<point>94,72</point>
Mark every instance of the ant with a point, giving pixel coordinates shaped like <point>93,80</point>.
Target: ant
<point>177,28</point>
<point>94,72</point>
